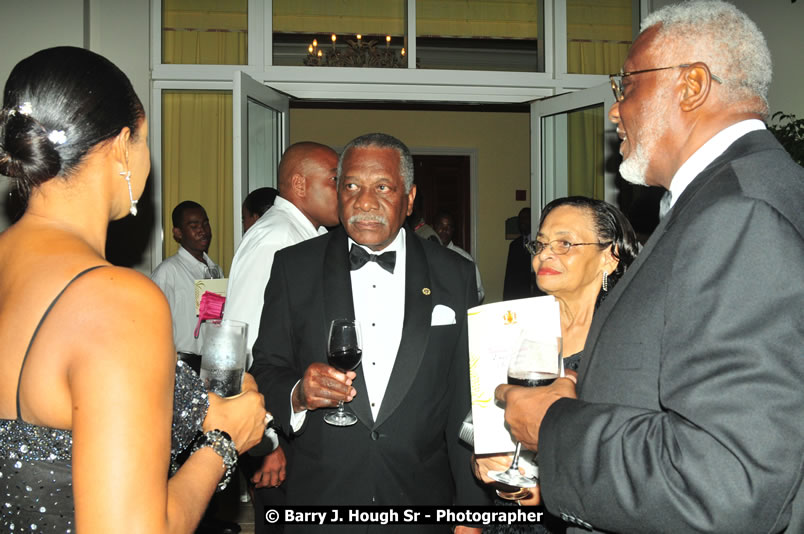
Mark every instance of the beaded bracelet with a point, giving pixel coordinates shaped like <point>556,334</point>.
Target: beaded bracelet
<point>221,443</point>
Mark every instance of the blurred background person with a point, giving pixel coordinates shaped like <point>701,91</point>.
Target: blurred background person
<point>582,248</point>
<point>87,368</point>
<point>445,228</point>
<point>177,274</point>
<point>256,204</point>
<point>306,204</point>
<point>417,221</point>
<point>520,280</point>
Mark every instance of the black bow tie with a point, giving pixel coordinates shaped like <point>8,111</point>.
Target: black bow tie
<point>359,257</point>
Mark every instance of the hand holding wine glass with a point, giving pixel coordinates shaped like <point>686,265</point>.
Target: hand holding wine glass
<point>344,352</point>
<point>536,363</point>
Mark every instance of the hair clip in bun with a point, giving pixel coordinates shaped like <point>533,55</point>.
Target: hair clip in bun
<point>26,108</point>
<point>57,137</point>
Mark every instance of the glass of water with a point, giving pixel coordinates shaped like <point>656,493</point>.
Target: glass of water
<point>223,356</point>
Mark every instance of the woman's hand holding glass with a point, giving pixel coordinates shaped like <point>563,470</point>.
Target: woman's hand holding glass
<point>482,464</point>
<point>242,417</point>
<point>537,363</point>
<point>526,407</point>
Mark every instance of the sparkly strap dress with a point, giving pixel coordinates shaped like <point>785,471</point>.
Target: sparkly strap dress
<point>35,461</point>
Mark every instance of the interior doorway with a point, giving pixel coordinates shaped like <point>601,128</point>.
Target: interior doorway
<point>443,185</point>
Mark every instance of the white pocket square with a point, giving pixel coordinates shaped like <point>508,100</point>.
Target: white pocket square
<point>442,315</point>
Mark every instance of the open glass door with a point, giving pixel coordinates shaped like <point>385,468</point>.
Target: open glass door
<point>261,134</point>
<point>573,147</point>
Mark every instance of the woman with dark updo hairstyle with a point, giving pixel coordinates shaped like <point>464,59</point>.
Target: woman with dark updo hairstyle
<point>88,366</point>
<point>583,247</point>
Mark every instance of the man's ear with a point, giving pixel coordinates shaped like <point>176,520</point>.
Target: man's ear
<point>298,183</point>
<point>177,234</point>
<point>411,198</point>
<point>697,81</point>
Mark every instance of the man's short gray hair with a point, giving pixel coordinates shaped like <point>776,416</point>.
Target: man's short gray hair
<point>723,37</point>
<point>381,140</point>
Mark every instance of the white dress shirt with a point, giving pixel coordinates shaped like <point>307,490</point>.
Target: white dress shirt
<point>379,303</point>
<point>480,291</point>
<point>707,153</point>
<point>281,226</point>
<point>176,277</point>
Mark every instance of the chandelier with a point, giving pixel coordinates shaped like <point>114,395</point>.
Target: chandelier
<point>357,53</point>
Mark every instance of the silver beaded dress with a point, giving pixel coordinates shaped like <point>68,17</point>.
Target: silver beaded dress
<point>35,461</point>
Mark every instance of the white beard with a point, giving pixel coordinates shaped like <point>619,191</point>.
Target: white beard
<point>634,168</point>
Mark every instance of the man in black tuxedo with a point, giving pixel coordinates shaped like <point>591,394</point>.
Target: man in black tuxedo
<point>690,408</point>
<point>411,391</point>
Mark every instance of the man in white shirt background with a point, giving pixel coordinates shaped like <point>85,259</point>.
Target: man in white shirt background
<point>176,275</point>
<point>445,228</point>
<point>306,204</point>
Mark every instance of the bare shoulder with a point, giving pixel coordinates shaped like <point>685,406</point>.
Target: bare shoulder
<point>120,287</point>
<point>122,308</point>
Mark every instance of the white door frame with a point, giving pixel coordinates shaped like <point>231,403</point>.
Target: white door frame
<point>246,88</point>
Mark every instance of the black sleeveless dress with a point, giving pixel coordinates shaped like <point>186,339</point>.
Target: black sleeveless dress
<point>36,461</point>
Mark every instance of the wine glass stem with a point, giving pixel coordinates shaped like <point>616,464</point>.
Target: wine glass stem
<point>340,407</point>
<point>515,461</point>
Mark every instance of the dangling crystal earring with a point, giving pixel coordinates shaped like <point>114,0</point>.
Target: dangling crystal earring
<point>133,208</point>
<point>605,281</point>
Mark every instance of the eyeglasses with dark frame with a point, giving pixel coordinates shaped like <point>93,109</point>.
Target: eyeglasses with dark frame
<point>558,246</point>
<point>617,79</point>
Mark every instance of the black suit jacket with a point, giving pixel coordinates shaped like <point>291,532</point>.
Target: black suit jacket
<point>411,454</point>
<point>691,410</point>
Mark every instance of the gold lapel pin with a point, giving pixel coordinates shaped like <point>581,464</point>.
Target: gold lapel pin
<point>425,291</point>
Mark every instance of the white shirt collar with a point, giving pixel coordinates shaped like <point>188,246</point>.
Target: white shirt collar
<point>397,245</point>
<point>290,208</point>
<point>184,253</point>
<point>707,153</point>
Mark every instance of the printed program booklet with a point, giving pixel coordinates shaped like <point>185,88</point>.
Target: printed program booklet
<point>496,332</point>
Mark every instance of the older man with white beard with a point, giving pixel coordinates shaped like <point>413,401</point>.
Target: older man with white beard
<point>689,394</point>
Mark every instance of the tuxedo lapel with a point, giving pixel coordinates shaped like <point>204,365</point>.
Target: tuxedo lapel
<point>338,304</point>
<point>415,329</point>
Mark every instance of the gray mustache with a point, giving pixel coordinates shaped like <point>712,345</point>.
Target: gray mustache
<point>368,217</point>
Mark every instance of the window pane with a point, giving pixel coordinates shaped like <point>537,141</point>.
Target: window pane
<point>503,35</point>
<point>297,23</point>
<point>585,152</point>
<point>264,150</point>
<point>599,34</point>
<point>572,149</point>
<point>205,32</point>
<point>197,164</point>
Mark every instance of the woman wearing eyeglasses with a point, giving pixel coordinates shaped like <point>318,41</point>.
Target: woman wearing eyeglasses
<point>582,248</point>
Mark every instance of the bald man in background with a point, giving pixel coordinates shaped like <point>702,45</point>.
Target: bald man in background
<point>306,204</point>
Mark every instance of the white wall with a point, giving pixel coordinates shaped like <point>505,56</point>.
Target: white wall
<point>26,27</point>
<point>781,22</point>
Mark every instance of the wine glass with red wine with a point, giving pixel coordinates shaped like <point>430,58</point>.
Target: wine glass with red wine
<point>343,353</point>
<point>538,362</point>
